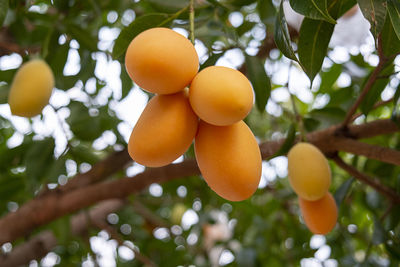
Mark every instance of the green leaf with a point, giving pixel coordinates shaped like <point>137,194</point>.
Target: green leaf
<point>38,160</point>
<point>281,35</point>
<point>390,41</point>
<point>289,141</point>
<point>211,60</point>
<point>374,93</point>
<point>267,11</point>
<point>260,81</point>
<point>394,13</point>
<point>313,44</point>
<point>379,234</point>
<point>126,82</point>
<point>313,9</point>
<point>328,78</point>
<point>132,30</point>
<point>375,12</point>
<point>3,10</point>
<point>84,37</point>
<point>10,186</point>
<point>84,126</point>
<point>3,93</point>
<point>342,191</point>
<point>396,107</point>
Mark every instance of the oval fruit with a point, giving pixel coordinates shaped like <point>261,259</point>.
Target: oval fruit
<point>220,95</point>
<point>161,61</point>
<point>229,159</point>
<point>321,215</point>
<point>31,88</point>
<point>309,171</point>
<point>164,131</point>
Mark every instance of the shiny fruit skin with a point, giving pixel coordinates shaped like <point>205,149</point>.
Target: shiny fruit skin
<point>220,95</point>
<point>229,159</point>
<point>309,171</point>
<point>164,131</point>
<point>161,61</point>
<point>31,88</point>
<point>320,216</point>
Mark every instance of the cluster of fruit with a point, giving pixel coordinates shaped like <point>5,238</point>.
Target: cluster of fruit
<point>310,178</point>
<point>164,62</point>
<point>31,88</point>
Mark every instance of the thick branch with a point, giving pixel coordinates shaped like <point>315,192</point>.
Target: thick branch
<point>40,245</point>
<point>374,183</point>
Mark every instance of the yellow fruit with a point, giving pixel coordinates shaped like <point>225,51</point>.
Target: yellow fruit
<point>31,88</point>
<point>320,216</point>
<point>220,95</point>
<point>164,131</point>
<point>229,159</point>
<point>309,171</point>
<point>161,61</point>
<point>177,213</point>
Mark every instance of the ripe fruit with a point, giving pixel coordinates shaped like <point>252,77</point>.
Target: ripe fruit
<point>31,88</point>
<point>229,159</point>
<point>309,171</point>
<point>164,131</point>
<point>320,216</point>
<point>161,61</point>
<point>220,95</point>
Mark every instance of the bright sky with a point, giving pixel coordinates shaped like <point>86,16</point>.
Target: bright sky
<point>351,36</point>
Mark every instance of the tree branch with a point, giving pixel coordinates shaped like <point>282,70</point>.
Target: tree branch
<point>374,183</point>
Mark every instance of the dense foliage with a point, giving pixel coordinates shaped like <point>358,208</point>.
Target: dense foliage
<point>38,158</point>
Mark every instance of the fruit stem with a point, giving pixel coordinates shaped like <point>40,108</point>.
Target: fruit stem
<point>191,20</point>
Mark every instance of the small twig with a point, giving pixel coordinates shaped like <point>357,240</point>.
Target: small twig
<point>370,82</point>
<point>191,19</point>
<point>383,189</point>
<point>377,105</point>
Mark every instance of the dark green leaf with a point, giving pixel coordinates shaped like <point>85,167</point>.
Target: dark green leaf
<point>267,11</point>
<point>260,81</point>
<point>84,37</point>
<point>289,141</point>
<point>10,186</point>
<point>375,12</point>
<point>3,93</point>
<point>38,160</point>
<point>83,125</point>
<point>342,191</point>
<point>169,6</point>
<point>126,82</point>
<point>396,107</point>
<point>211,60</point>
<point>313,9</point>
<point>281,35</point>
<point>132,30</point>
<point>62,230</point>
<point>379,234</point>
<point>329,78</point>
<point>390,41</point>
<point>3,10</point>
<point>394,13</point>
<point>374,93</point>
<point>84,153</point>
<point>313,44</point>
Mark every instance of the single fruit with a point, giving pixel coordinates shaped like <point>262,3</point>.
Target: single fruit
<point>164,131</point>
<point>161,61</point>
<point>229,159</point>
<point>220,95</point>
<point>320,216</point>
<point>177,213</point>
<point>31,88</point>
<point>309,171</point>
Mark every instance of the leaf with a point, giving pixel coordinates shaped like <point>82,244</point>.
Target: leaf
<point>211,60</point>
<point>281,35</point>
<point>393,8</point>
<point>313,9</point>
<point>328,78</point>
<point>267,11</point>
<point>3,93</point>
<point>390,43</point>
<point>132,30</point>
<point>374,93</point>
<point>38,159</point>
<point>10,186</point>
<point>260,81</point>
<point>289,141</point>
<point>313,44</point>
<point>84,37</point>
<point>396,107</point>
<point>126,82</point>
<point>342,191</point>
<point>84,126</point>
<point>375,12</point>
<point>379,234</point>
<point>3,10</point>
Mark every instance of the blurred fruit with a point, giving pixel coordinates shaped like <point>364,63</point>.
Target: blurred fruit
<point>161,61</point>
<point>164,131</point>
<point>220,95</point>
<point>229,159</point>
<point>31,88</point>
<point>309,171</point>
<point>177,212</point>
<point>320,216</point>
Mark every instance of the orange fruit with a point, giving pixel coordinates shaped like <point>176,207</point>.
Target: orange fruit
<point>161,61</point>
